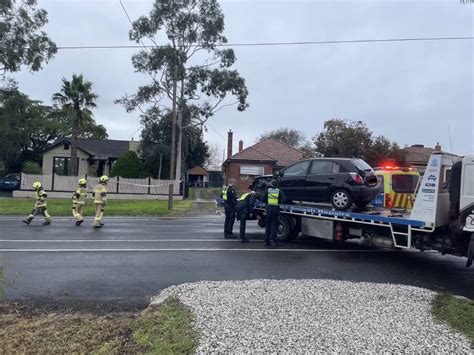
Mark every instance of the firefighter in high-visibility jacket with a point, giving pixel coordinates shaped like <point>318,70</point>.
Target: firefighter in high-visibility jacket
<point>272,198</point>
<point>41,205</point>
<point>100,200</point>
<point>79,201</point>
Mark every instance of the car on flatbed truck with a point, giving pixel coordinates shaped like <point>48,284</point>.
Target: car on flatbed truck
<point>442,217</point>
<point>339,181</point>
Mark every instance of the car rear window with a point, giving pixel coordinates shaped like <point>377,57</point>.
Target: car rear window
<point>404,183</point>
<point>360,164</point>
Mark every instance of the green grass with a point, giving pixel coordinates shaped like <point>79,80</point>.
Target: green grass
<point>63,207</point>
<point>166,329</point>
<point>458,313</point>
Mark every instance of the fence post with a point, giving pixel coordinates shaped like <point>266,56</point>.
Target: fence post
<point>149,185</point>
<point>118,180</point>
<point>52,182</point>
<point>170,196</point>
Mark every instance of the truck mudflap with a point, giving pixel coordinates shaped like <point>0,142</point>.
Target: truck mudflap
<point>470,251</point>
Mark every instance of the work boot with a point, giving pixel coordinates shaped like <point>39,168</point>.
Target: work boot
<point>99,226</point>
<point>47,223</point>
<point>267,244</point>
<point>274,244</point>
<point>244,240</point>
<point>78,223</point>
<point>26,221</point>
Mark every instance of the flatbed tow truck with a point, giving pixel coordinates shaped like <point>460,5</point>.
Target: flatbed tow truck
<point>442,218</point>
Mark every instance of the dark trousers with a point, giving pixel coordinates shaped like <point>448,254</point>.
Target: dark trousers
<point>229,219</point>
<point>243,225</point>
<point>271,225</point>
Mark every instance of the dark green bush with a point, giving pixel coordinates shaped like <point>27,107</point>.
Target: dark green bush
<point>129,165</point>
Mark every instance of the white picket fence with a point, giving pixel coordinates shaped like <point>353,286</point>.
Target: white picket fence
<point>119,185</point>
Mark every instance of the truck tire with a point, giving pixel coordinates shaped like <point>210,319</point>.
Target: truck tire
<point>285,228</point>
<point>341,199</point>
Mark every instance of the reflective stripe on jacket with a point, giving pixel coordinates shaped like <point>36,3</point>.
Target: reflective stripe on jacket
<point>100,194</point>
<point>273,195</point>
<point>79,196</point>
<point>40,198</point>
<point>242,198</point>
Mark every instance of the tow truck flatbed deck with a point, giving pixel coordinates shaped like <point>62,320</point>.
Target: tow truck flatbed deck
<point>375,215</point>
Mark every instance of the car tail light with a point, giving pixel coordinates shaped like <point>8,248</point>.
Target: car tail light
<point>388,201</point>
<point>357,178</point>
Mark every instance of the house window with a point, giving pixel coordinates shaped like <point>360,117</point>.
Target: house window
<point>60,166</point>
<point>251,170</point>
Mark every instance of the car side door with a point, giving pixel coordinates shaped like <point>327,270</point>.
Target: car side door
<point>292,180</point>
<point>321,176</point>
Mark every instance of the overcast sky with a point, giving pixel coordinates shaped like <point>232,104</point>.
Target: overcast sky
<point>408,92</point>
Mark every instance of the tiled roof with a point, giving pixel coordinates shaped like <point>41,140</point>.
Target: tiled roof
<point>270,150</point>
<point>98,148</point>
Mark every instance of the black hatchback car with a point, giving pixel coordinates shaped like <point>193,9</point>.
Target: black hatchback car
<point>339,181</point>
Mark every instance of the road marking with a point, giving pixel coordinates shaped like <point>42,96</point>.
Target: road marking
<point>119,240</point>
<point>193,249</point>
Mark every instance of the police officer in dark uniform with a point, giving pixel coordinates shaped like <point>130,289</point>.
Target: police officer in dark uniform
<point>273,199</point>
<point>244,209</point>
<point>230,202</point>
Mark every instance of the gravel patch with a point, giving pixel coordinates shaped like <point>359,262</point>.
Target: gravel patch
<point>315,316</point>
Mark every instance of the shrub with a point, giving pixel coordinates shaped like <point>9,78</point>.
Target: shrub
<point>32,167</point>
<point>129,165</point>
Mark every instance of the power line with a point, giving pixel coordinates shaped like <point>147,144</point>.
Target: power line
<point>268,44</point>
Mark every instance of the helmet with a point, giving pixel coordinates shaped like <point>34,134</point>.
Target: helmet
<point>82,181</point>
<point>37,185</point>
<point>104,178</point>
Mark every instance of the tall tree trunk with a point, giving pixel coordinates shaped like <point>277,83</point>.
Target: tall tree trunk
<point>173,127</point>
<point>180,133</point>
<point>75,132</point>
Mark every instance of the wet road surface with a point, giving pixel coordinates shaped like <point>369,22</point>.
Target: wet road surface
<point>132,259</point>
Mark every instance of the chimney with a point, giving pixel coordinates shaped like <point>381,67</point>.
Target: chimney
<point>230,138</point>
<point>241,145</point>
<point>437,147</point>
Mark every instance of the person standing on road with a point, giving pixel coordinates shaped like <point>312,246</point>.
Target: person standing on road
<point>244,210</point>
<point>273,199</point>
<point>79,201</point>
<point>41,204</point>
<point>100,200</point>
<point>230,201</point>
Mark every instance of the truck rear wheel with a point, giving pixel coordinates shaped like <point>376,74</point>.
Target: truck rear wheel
<point>285,229</point>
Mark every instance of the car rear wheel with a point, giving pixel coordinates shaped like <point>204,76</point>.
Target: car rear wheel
<point>341,200</point>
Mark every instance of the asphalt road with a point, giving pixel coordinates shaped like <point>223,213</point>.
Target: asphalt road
<point>132,259</point>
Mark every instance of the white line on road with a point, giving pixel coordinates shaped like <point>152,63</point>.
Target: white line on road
<point>119,240</point>
<point>192,249</point>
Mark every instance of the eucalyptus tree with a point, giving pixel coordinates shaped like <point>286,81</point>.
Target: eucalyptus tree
<point>187,66</point>
<point>22,41</point>
<point>76,95</point>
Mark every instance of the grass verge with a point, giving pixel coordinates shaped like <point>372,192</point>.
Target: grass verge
<point>163,329</point>
<point>63,207</point>
<point>458,313</point>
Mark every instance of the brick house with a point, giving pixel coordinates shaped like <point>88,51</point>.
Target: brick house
<point>262,158</point>
<point>417,156</point>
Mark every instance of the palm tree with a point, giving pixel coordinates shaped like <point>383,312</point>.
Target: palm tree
<point>76,95</point>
